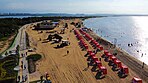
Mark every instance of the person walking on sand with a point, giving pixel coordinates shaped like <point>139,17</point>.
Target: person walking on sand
<point>142,55</point>
<point>100,59</point>
<point>41,78</point>
<point>88,64</point>
<point>19,79</point>
<point>143,65</point>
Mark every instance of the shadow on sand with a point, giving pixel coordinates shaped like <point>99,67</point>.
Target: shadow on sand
<point>121,75</point>
<point>93,69</point>
<point>99,76</point>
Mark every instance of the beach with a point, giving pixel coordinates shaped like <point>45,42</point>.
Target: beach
<point>127,32</point>
<point>71,67</point>
<point>130,61</point>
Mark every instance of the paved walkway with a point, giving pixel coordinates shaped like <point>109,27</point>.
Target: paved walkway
<point>23,64</point>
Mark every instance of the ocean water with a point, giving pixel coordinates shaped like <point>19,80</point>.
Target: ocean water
<point>127,32</point>
<point>17,16</point>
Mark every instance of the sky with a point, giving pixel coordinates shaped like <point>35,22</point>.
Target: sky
<point>75,6</point>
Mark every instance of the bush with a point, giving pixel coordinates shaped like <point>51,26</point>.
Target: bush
<point>31,66</point>
<point>31,62</point>
<point>7,72</point>
<point>3,38</point>
<point>34,57</point>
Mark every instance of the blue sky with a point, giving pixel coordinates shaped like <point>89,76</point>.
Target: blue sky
<point>75,6</point>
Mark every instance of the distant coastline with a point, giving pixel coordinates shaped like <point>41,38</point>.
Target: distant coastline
<point>65,14</point>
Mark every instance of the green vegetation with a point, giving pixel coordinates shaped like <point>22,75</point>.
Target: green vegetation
<point>31,62</point>
<point>27,40</point>
<point>34,57</point>
<point>7,66</point>
<point>9,44</point>
<point>9,26</point>
<point>3,38</point>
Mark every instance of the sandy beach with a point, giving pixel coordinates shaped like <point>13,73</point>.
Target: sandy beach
<point>130,61</point>
<point>72,67</point>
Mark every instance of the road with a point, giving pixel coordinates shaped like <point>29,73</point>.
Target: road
<point>20,40</point>
<point>23,64</point>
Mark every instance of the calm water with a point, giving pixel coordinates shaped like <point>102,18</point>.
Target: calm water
<point>17,16</point>
<point>132,30</point>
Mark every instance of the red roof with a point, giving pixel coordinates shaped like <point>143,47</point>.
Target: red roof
<point>95,58</point>
<point>124,67</point>
<point>117,61</point>
<point>92,54</point>
<point>109,54</point>
<point>113,58</point>
<point>102,68</point>
<point>137,79</point>
<point>105,51</point>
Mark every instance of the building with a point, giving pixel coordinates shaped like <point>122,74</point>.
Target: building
<point>45,25</point>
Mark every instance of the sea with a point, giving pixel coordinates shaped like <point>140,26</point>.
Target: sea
<point>18,16</point>
<point>129,33</point>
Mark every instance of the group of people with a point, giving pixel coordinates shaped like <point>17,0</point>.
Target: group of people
<point>23,66</point>
<point>47,80</point>
<point>24,78</point>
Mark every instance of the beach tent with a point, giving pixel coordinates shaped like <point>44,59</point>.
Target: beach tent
<point>92,54</point>
<point>91,39</point>
<point>89,51</point>
<point>81,31</point>
<point>98,63</point>
<point>86,46</point>
<point>136,80</point>
<point>113,58</point>
<point>95,58</point>
<point>118,63</point>
<point>109,55</point>
<point>105,52</point>
<point>103,69</point>
<point>98,47</point>
<point>125,69</point>
<point>101,48</point>
<point>94,41</point>
<point>76,32</point>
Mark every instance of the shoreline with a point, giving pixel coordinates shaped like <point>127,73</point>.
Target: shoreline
<point>71,66</point>
<point>131,44</point>
<point>132,62</point>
